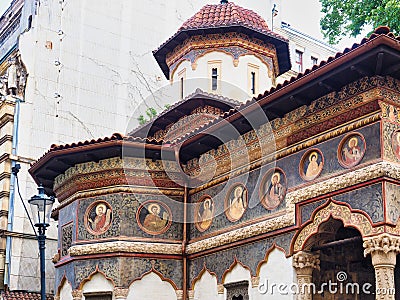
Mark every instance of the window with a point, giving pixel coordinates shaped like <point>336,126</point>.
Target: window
<point>214,76</point>
<point>182,78</point>
<point>98,296</point>
<point>299,61</point>
<point>214,68</point>
<point>314,60</point>
<point>237,290</point>
<point>253,74</point>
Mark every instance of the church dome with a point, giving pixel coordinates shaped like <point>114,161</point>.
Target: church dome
<point>227,14</point>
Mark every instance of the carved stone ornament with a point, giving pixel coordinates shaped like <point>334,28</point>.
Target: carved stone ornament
<point>77,294</point>
<point>220,288</point>
<point>255,281</point>
<point>179,294</point>
<point>302,260</point>
<point>384,242</point>
<point>121,293</point>
<point>191,294</point>
<point>128,247</point>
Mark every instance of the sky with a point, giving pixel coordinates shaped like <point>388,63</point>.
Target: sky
<point>304,15</point>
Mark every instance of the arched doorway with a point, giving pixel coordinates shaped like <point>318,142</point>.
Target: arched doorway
<point>344,274</point>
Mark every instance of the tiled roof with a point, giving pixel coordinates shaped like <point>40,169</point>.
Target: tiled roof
<point>217,15</point>
<point>22,295</point>
<point>197,93</point>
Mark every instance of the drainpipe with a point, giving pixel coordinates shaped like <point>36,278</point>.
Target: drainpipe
<point>12,192</point>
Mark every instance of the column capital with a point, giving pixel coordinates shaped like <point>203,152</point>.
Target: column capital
<point>305,260</point>
<point>77,294</point>
<point>121,293</point>
<point>191,294</point>
<point>179,294</point>
<point>255,281</point>
<point>384,242</point>
<point>220,288</point>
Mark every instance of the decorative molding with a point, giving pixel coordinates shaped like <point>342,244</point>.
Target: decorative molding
<point>302,260</point>
<point>77,294</point>
<point>127,247</point>
<point>384,243</point>
<point>337,211</point>
<point>338,182</point>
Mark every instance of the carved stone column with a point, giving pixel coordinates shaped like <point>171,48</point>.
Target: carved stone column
<point>383,250</point>
<point>77,295</point>
<point>305,263</point>
<point>121,293</point>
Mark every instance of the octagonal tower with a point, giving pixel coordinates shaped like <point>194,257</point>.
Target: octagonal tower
<point>223,45</point>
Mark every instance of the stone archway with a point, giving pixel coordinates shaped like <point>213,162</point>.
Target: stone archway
<point>329,255</point>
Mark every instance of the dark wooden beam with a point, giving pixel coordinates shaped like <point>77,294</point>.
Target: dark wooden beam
<point>379,63</point>
<point>360,70</point>
<point>326,86</point>
<point>298,99</point>
<point>392,69</point>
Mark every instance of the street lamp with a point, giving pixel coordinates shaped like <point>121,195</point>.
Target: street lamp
<point>41,206</point>
<point>41,209</point>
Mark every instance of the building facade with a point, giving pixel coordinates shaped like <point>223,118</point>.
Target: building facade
<point>74,70</point>
<point>292,190</point>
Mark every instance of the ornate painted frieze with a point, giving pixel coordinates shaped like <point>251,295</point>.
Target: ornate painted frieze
<point>311,164</point>
<point>66,238</point>
<point>233,44</point>
<point>392,200</point>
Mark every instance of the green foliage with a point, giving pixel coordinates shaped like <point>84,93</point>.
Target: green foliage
<point>349,17</point>
<point>151,113</point>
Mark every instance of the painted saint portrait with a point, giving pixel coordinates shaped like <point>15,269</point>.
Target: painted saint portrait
<point>273,189</point>
<point>204,212</point>
<point>351,150</point>
<point>154,217</point>
<point>396,144</point>
<point>311,164</point>
<point>236,202</point>
<point>98,217</point>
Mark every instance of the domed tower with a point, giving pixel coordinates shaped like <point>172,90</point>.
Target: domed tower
<point>224,45</point>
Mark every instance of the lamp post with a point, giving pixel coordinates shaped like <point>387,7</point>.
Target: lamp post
<point>41,209</point>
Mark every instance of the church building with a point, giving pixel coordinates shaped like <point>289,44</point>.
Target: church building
<point>290,194</point>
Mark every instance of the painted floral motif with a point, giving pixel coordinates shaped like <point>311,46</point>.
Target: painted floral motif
<point>311,164</point>
<point>236,202</point>
<point>204,213</point>
<point>98,217</point>
<point>273,189</point>
<point>154,217</point>
<point>396,144</point>
<point>351,150</point>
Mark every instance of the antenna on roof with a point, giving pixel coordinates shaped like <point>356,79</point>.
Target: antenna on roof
<point>224,1</point>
